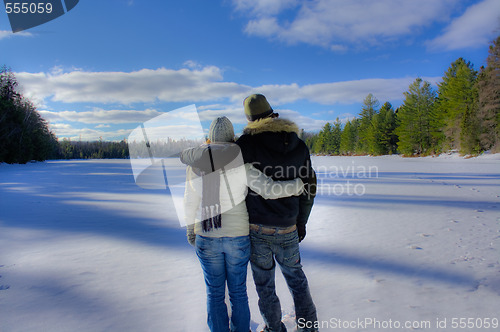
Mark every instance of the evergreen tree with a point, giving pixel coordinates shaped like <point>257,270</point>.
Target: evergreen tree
<point>416,129</point>
<point>324,143</point>
<point>349,138</point>
<point>368,110</point>
<point>24,134</point>
<point>488,85</point>
<point>310,139</point>
<point>470,131</point>
<point>336,136</point>
<point>390,139</point>
<point>383,139</point>
<point>456,98</point>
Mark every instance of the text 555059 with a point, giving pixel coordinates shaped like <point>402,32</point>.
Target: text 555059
<point>28,8</point>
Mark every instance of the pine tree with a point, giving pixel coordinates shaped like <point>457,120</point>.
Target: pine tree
<point>470,131</point>
<point>488,85</point>
<point>324,143</point>
<point>24,134</point>
<point>336,136</point>
<point>368,110</point>
<point>383,139</point>
<point>310,139</point>
<point>416,129</point>
<point>349,138</point>
<point>391,139</point>
<point>456,98</point>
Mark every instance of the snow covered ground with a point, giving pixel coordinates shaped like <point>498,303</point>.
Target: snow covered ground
<point>392,244</point>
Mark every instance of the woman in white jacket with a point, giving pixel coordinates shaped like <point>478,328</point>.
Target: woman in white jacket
<point>217,218</point>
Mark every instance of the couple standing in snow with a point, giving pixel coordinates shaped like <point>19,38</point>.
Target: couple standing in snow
<point>250,200</point>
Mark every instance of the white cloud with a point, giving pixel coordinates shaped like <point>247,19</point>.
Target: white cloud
<point>194,86</point>
<point>203,86</point>
<point>145,85</point>
<point>264,7</point>
<point>475,28</point>
<point>100,116</point>
<point>238,119</point>
<point>234,113</point>
<point>175,132</point>
<point>338,24</point>
<point>4,34</point>
<point>303,122</point>
<point>87,134</point>
<point>191,64</point>
<point>346,92</point>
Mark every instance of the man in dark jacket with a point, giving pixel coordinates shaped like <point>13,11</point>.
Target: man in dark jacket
<point>272,145</point>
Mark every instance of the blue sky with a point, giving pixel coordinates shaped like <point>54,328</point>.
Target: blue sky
<point>108,65</point>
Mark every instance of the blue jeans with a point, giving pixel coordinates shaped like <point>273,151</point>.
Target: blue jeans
<point>284,248</point>
<point>225,260</point>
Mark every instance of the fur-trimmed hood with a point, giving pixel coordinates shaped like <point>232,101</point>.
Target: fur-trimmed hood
<point>278,135</point>
<point>274,125</point>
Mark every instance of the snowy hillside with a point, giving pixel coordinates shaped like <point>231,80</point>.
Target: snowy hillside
<point>412,244</point>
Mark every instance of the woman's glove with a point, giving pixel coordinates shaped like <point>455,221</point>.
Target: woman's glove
<point>191,236</point>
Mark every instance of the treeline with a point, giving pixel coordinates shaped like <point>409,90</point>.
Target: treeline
<point>161,148</point>
<point>462,115</point>
<point>24,134</point>
<point>68,149</point>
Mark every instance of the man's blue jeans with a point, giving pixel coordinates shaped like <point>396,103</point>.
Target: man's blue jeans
<point>225,260</point>
<point>285,249</point>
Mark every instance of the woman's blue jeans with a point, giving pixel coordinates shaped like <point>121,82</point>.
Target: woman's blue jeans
<point>225,260</point>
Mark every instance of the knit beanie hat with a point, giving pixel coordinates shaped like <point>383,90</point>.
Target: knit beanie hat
<point>256,107</point>
<point>221,130</point>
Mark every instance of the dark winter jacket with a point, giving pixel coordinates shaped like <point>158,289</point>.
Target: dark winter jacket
<point>272,145</point>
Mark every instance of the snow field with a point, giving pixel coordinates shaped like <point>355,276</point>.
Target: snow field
<point>421,244</point>
<point>83,248</point>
